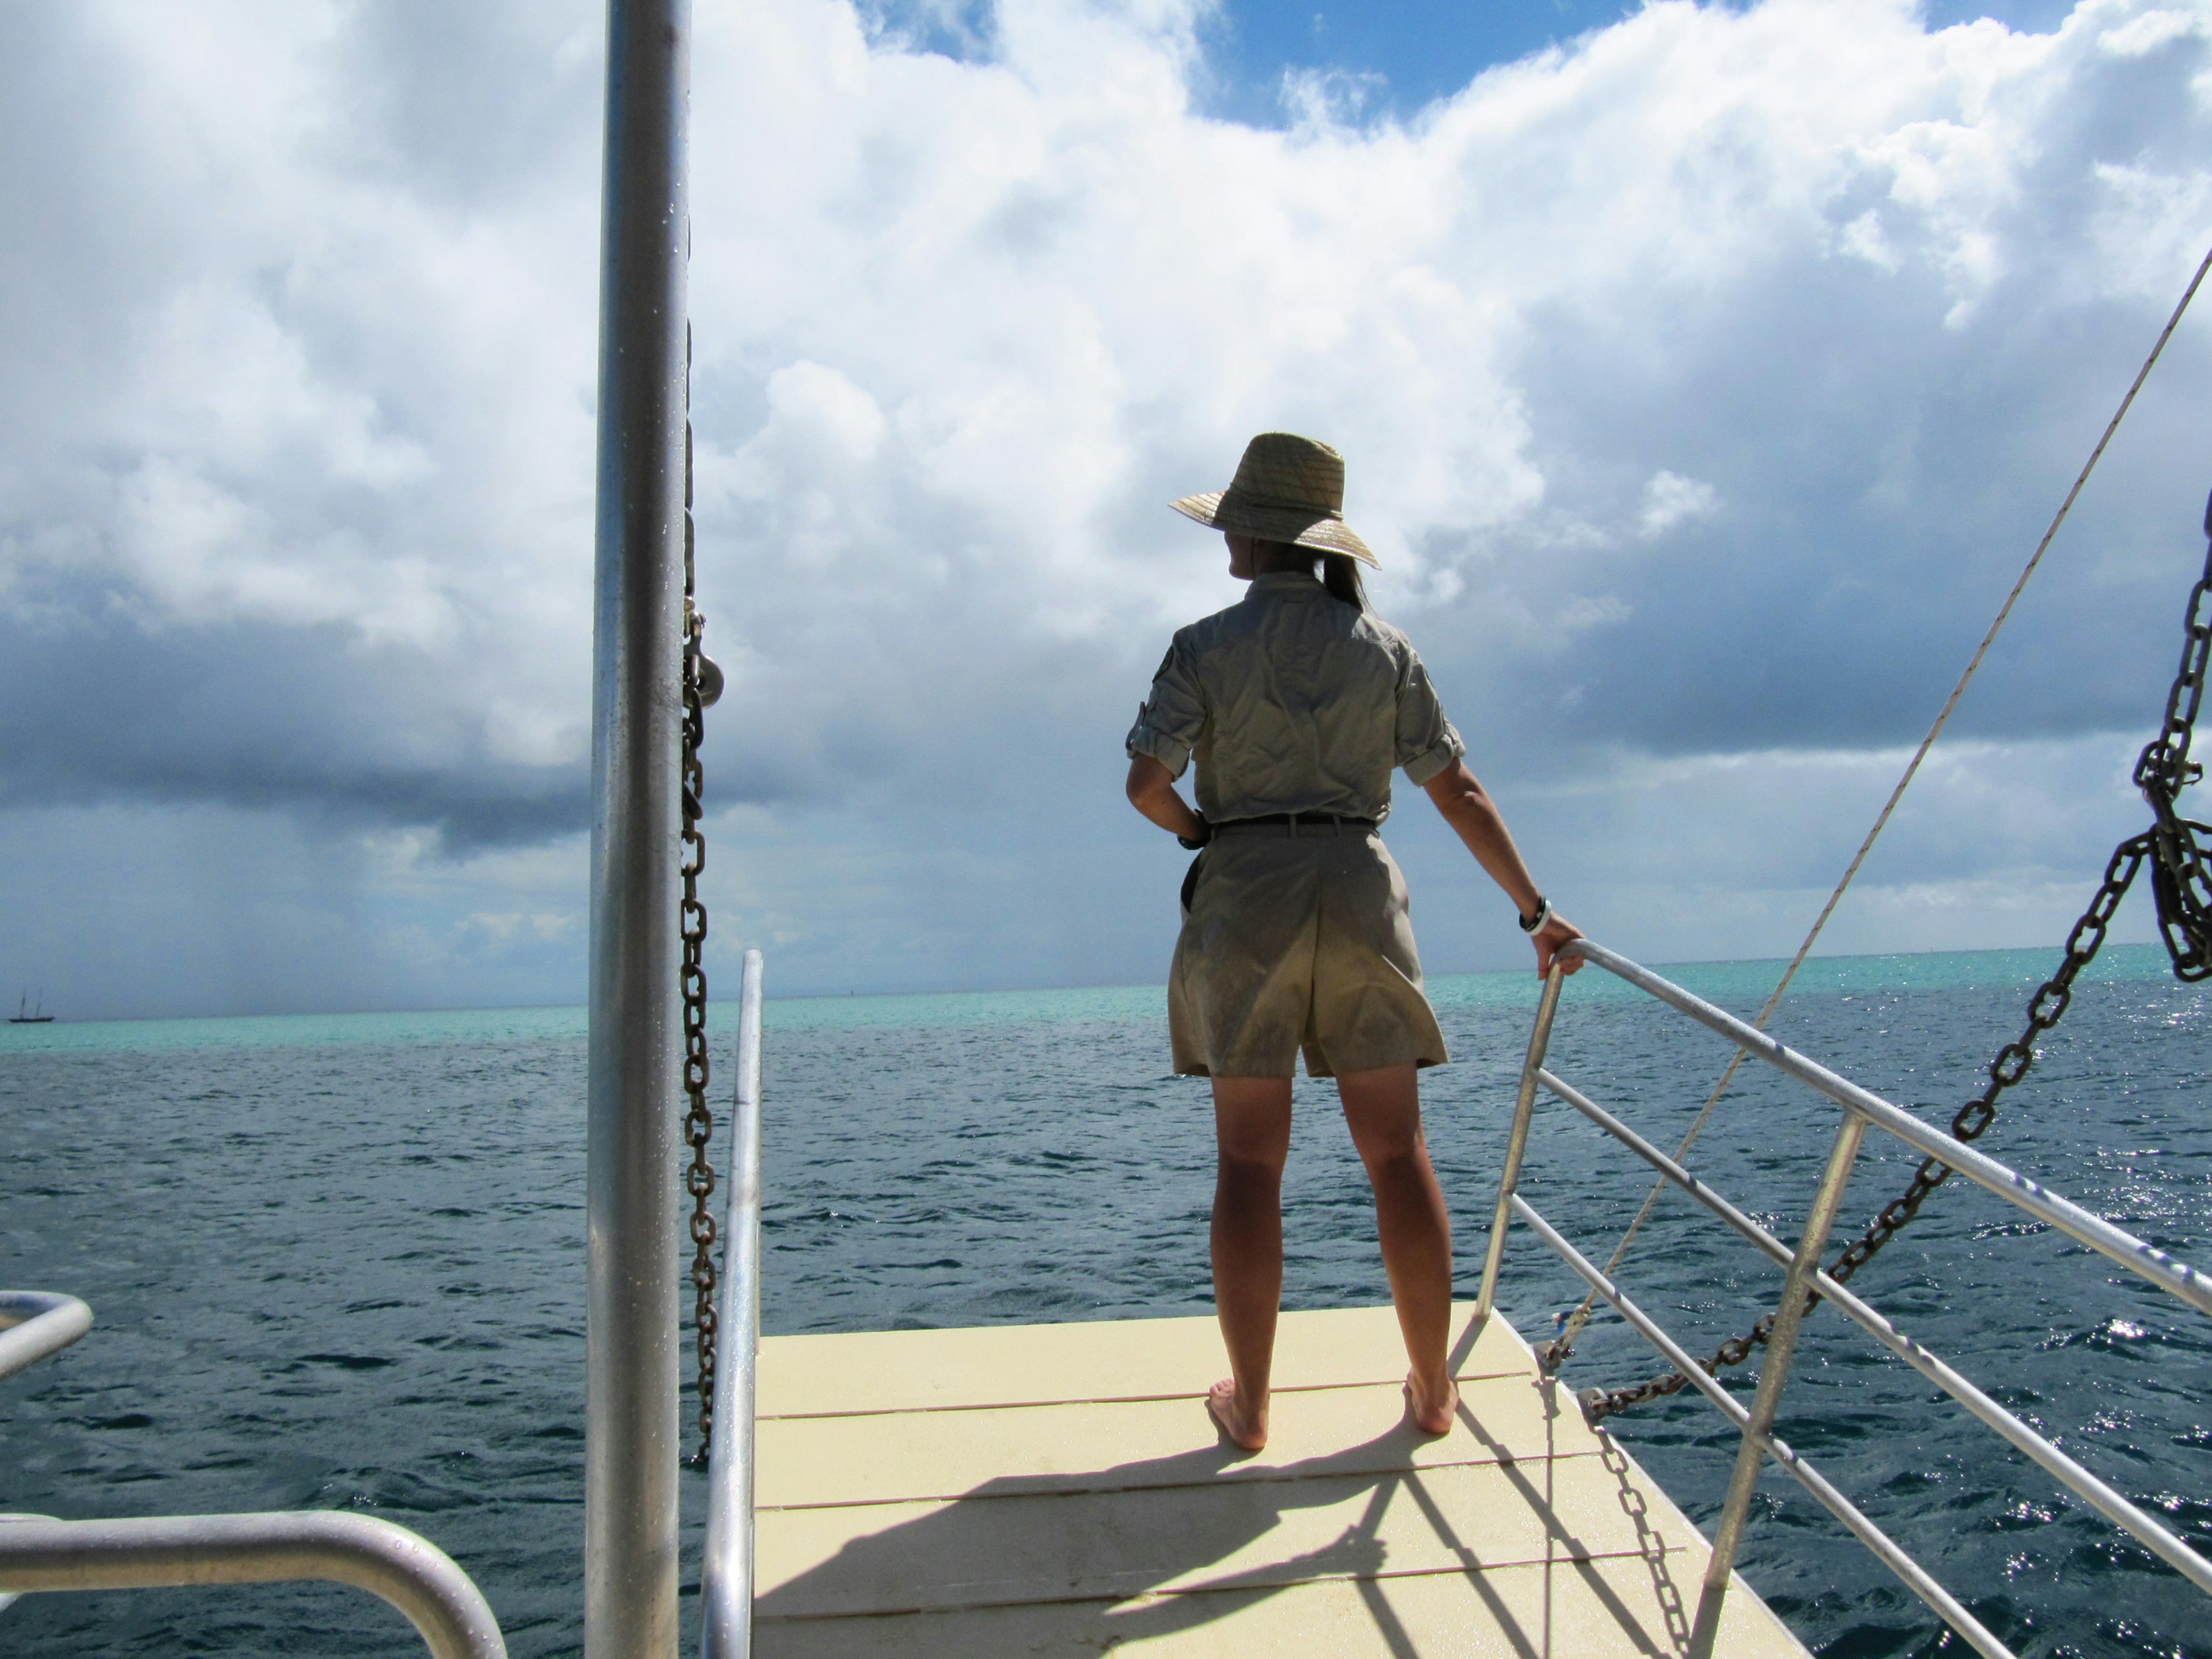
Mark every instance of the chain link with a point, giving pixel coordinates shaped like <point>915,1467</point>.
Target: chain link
<point>701,680</point>
<point>2183,888</point>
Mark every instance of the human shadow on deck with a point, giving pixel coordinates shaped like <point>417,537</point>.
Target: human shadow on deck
<point>1084,1572</point>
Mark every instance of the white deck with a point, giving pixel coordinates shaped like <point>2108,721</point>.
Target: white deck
<point>1056,1490</point>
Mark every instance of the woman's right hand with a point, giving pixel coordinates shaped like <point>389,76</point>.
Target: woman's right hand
<point>1548,939</point>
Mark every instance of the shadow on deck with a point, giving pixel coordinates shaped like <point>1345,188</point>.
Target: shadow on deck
<point>1058,1490</point>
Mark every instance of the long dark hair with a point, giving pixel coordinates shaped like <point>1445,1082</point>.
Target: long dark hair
<point>1339,572</point>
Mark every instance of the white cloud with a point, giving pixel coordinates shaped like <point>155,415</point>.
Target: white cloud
<point>1703,383</point>
<point>1670,499</point>
<point>2146,32</point>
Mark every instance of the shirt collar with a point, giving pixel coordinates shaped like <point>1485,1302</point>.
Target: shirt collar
<point>1285,581</point>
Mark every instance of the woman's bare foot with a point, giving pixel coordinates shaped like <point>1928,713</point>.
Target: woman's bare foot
<point>1247,1430</point>
<point>1431,1415</point>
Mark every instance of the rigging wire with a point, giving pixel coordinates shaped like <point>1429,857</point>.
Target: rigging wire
<point>1554,1353</point>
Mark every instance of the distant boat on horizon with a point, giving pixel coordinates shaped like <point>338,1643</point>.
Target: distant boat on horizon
<point>38,1016</point>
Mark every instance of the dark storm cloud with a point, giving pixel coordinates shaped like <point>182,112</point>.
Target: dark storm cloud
<point>1880,491</point>
<point>274,455</point>
<point>1887,454</point>
<point>246,716</point>
<point>1705,385</point>
<point>260,529</point>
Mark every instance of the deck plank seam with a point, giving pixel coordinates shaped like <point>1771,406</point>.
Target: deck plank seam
<point>1102,1399</point>
<point>1269,1586</point>
<point>1401,1471</point>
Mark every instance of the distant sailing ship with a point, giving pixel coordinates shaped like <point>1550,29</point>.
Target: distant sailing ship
<point>38,1016</point>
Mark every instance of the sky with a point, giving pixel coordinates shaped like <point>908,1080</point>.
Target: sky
<point>1706,374</point>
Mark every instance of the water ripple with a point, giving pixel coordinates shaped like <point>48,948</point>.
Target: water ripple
<point>362,1284</point>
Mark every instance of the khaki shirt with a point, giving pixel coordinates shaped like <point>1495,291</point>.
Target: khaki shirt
<point>1292,701</point>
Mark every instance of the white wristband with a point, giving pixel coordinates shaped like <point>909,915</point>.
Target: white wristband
<point>1535,924</point>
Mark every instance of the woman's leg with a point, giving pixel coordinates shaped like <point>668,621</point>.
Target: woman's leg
<point>1383,1110</point>
<point>1252,1135</point>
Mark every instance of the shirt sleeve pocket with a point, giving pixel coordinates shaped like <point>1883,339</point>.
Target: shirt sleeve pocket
<point>1427,742</point>
<point>1171,719</point>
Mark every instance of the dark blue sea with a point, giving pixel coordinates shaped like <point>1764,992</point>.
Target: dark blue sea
<point>339,1262</point>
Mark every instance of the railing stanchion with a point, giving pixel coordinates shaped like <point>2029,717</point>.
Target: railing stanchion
<point>1773,1376</point>
<point>1540,1039</point>
<point>726,1625</point>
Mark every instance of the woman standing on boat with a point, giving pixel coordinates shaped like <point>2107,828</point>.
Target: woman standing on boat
<point>1296,703</point>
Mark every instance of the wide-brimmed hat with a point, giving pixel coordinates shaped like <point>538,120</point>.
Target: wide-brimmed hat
<point>1287,488</point>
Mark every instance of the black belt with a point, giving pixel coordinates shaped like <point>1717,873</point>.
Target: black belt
<point>1294,819</point>
<point>1334,823</point>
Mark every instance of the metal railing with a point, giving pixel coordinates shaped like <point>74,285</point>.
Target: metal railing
<point>1805,1284</point>
<point>35,1323</point>
<point>40,1554</point>
<point>726,1569</point>
<point>169,1551</point>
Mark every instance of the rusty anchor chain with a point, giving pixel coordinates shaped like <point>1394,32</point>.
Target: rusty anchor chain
<point>702,685</point>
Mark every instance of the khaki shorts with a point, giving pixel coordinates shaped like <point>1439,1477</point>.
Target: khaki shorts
<point>1296,942</point>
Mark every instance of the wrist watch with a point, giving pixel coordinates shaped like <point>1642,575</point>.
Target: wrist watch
<point>1534,924</point>
<point>1196,843</point>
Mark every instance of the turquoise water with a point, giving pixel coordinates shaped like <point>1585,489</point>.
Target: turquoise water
<point>337,1261</point>
<point>1740,985</point>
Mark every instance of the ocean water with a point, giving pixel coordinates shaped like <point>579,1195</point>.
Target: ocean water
<point>337,1262</point>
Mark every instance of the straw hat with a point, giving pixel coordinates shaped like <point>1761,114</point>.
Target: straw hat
<point>1287,488</point>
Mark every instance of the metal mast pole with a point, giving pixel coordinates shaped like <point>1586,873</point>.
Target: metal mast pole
<point>630,1321</point>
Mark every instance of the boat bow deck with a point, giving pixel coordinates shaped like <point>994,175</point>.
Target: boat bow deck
<point>1058,1490</point>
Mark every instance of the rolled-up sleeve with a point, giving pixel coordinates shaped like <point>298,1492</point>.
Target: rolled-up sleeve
<point>1427,742</point>
<point>1169,723</point>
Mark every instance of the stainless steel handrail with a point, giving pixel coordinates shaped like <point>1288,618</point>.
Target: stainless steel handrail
<point>1774,1377</point>
<point>8,1598</point>
<point>34,1324</point>
<point>726,1587</point>
<point>388,1561</point>
<point>1516,1144</point>
<point>1806,1282</point>
<point>37,1323</point>
<point>1886,1548</point>
<point>38,1552</point>
<point>2099,1235</point>
<point>2085,1486</point>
